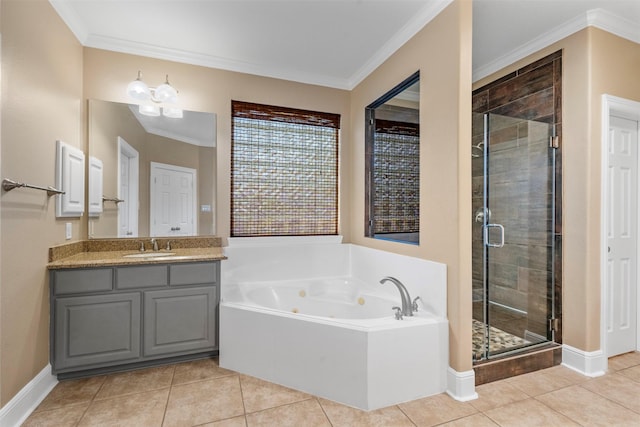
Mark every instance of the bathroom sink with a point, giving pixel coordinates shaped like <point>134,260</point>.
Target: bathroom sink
<point>150,255</point>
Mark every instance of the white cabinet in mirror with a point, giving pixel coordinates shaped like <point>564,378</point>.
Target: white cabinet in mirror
<point>136,201</point>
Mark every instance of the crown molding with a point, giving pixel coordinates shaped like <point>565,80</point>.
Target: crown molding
<point>210,61</point>
<point>424,16</point>
<point>410,29</point>
<point>614,24</point>
<point>598,18</point>
<point>71,18</point>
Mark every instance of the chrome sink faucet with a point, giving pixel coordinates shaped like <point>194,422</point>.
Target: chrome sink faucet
<point>407,307</point>
<point>154,244</point>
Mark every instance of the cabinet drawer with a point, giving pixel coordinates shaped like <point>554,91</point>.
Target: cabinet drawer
<point>143,276</point>
<point>193,273</point>
<point>82,281</point>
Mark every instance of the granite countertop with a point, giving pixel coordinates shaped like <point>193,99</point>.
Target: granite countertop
<point>96,253</point>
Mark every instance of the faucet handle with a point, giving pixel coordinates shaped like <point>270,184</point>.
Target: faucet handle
<point>414,304</point>
<point>168,245</point>
<point>398,312</point>
<point>141,246</point>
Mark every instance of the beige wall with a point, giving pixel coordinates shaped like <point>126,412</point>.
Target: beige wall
<point>41,102</point>
<point>442,53</point>
<point>615,70</point>
<point>594,63</point>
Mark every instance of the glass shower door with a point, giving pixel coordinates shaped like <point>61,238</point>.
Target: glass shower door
<point>513,231</point>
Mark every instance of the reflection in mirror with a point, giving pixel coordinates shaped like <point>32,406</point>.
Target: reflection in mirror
<point>392,138</point>
<point>157,173</point>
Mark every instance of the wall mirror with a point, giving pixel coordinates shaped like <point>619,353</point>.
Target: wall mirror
<point>150,176</point>
<point>392,141</point>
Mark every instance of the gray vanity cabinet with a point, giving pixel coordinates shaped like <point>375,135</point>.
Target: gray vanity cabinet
<point>105,318</point>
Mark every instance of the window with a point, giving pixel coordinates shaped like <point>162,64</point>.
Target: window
<point>396,175</point>
<point>284,171</point>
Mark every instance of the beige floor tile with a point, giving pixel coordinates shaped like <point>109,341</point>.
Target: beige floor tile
<point>588,408</point>
<point>569,374</point>
<point>341,415</point>
<point>141,409</point>
<point>618,388</point>
<point>72,392</point>
<point>528,413</point>
<point>229,422</point>
<point>436,410</point>
<point>258,394</point>
<point>476,420</point>
<point>633,373</point>
<point>136,382</point>
<point>204,402</point>
<point>62,417</point>
<point>624,361</point>
<point>199,370</point>
<point>493,395</point>
<point>307,413</point>
<point>546,380</point>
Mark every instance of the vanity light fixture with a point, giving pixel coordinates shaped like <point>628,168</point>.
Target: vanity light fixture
<point>163,94</point>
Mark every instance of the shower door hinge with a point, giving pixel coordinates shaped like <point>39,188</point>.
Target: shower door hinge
<point>554,141</point>
<point>554,324</point>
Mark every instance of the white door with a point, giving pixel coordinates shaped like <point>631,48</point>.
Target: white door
<point>622,236</point>
<point>173,201</point>
<point>128,182</point>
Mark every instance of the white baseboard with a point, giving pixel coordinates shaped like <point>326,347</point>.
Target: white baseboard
<point>589,363</point>
<point>27,400</point>
<point>461,385</point>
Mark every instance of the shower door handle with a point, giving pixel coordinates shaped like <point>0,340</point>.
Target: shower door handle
<point>486,235</point>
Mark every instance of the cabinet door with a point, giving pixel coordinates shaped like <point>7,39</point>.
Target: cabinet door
<point>179,320</point>
<point>96,330</point>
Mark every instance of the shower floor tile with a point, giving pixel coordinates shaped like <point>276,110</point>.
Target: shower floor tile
<point>499,340</point>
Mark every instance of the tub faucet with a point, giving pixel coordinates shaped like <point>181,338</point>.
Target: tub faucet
<point>407,309</point>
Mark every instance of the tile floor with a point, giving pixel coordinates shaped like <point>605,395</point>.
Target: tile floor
<point>202,394</point>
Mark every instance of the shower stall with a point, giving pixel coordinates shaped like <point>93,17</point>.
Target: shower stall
<point>514,204</point>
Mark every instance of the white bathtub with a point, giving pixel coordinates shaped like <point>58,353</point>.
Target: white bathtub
<point>334,336</point>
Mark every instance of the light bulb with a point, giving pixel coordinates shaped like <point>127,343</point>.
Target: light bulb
<point>166,93</point>
<point>138,89</point>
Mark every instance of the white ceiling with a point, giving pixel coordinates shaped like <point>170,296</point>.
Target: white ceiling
<point>333,43</point>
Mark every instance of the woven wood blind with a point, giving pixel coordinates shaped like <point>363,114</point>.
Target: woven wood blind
<point>284,171</point>
<point>396,177</point>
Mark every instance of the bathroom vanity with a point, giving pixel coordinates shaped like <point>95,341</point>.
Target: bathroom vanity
<point>115,313</point>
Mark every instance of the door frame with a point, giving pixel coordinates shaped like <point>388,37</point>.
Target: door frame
<point>126,150</point>
<point>614,106</point>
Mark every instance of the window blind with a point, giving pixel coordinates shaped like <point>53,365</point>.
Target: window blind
<point>396,153</point>
<point>284,171</point>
